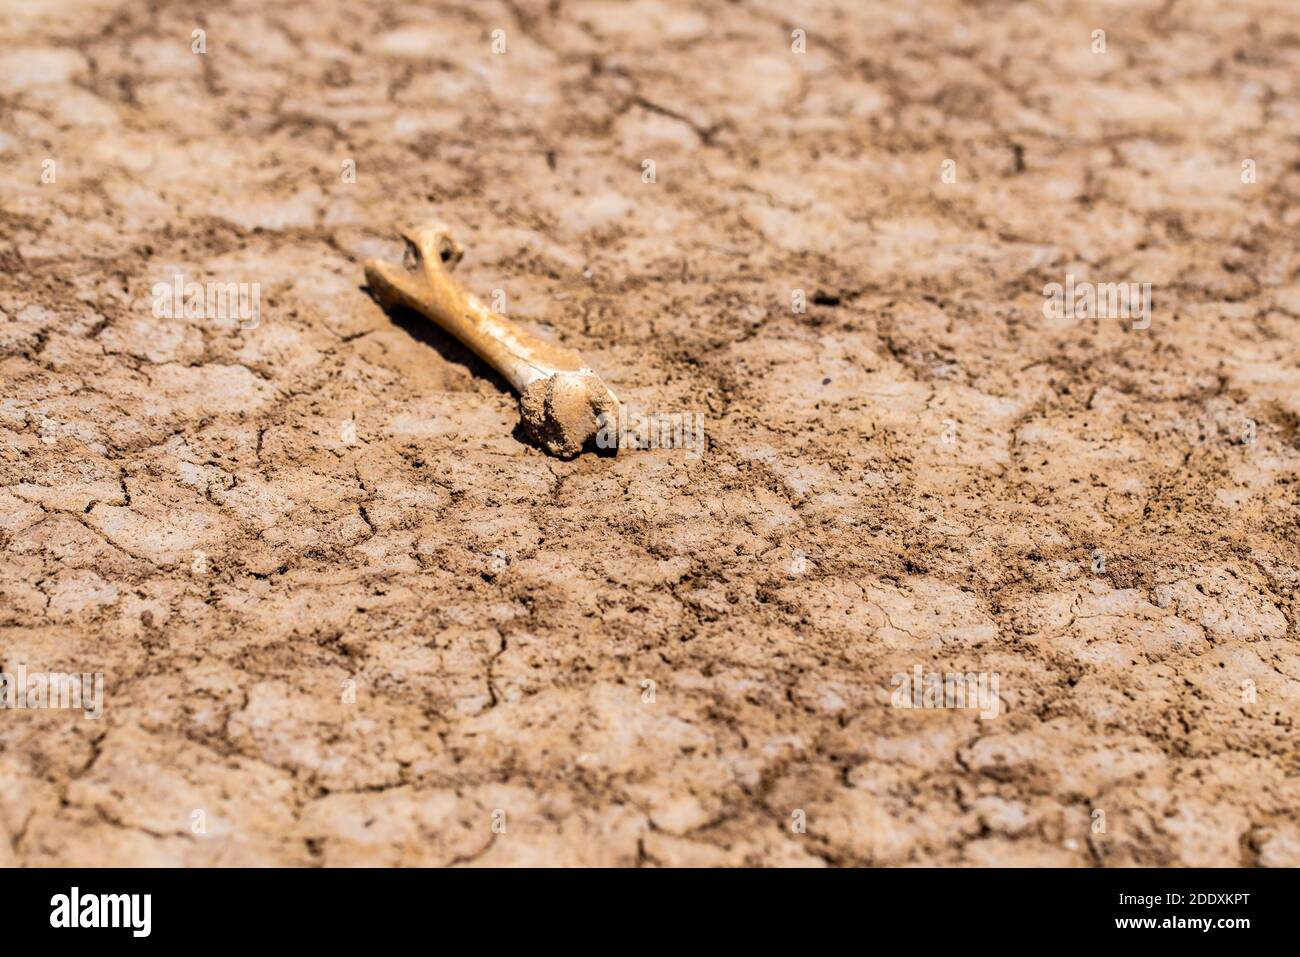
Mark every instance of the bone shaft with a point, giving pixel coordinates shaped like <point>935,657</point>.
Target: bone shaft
<point>521,357</point>
<point>450,309</point>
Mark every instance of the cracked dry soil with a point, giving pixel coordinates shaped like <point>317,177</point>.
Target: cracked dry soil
<point>373,649</point>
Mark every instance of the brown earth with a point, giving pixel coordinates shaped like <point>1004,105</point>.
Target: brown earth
<point>347,616</point>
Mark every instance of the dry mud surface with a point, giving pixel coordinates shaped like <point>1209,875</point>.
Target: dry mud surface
<point>346,616</point>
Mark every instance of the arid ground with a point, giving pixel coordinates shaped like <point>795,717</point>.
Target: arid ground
<point>345,614</point>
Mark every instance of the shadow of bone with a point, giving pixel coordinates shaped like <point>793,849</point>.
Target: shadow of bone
<point>426,331</point>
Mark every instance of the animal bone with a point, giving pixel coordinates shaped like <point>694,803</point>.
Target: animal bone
<point>562,403</point>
